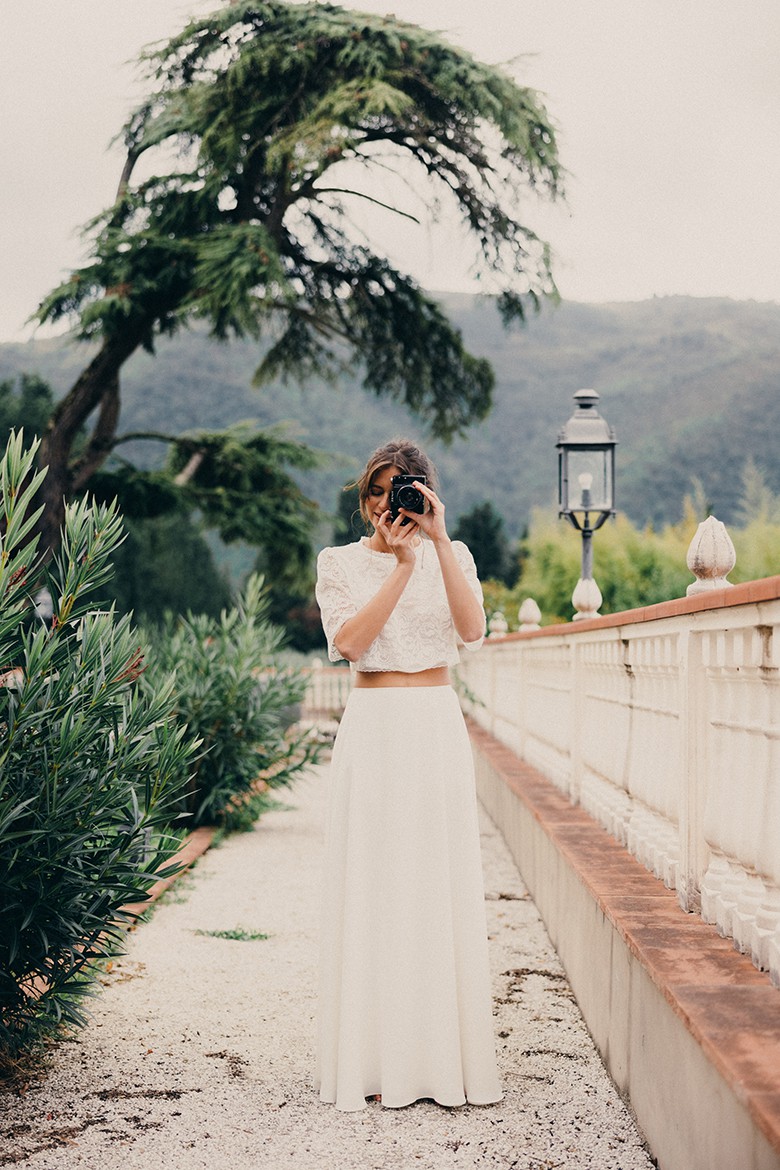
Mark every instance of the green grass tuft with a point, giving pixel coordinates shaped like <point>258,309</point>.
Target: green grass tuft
<point>235,934</point>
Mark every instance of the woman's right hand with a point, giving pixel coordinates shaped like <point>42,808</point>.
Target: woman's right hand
<point>398,537</point>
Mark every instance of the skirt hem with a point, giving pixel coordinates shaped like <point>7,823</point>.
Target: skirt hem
<point>413,1101</point>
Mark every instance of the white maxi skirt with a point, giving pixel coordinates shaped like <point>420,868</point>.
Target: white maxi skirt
<point>405,1005</point>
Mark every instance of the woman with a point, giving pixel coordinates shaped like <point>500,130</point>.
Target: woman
<point>405,1009</point>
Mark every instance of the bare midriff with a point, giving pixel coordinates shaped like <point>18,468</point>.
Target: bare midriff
<point>436,676</point>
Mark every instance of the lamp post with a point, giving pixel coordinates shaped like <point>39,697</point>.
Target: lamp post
<point>586,487</point>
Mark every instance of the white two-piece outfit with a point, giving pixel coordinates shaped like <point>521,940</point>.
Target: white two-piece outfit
<point>404,1005</point>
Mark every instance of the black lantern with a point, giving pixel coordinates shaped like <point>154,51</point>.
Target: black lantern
<point>586,474</point>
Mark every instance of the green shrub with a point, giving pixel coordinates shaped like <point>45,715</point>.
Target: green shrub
<point>90,764</point>
<point>238,703</point>
<point>757,547</point>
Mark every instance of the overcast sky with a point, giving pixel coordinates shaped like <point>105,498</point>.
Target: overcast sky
<point>668,114</point>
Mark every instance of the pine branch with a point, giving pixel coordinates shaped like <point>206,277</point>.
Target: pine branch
<point>370,199</point>
<point>132,436</point>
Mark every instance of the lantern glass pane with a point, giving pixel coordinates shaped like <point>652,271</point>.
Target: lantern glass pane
<point>590,481</point>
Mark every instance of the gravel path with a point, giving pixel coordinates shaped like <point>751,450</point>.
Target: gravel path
<point>200,1050</point>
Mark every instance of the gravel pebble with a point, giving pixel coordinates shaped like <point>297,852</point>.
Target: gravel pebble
<point>199,1052</point>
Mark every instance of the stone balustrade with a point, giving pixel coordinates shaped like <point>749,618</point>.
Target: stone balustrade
<point>327,690</point>
<point>664,724</point>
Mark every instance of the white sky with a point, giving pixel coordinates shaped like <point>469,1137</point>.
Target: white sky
<point>668,113</point>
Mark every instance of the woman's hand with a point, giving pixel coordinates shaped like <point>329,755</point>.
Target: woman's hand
<point>399,537</point>
<point>431,522</point>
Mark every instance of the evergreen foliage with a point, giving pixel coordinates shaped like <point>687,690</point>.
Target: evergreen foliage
<point>91,764</point>
<point>163,562</point>
<point>283,118</point>
<point>243,490</point>
<point>237,702</point>
<point>25,406</point>
<point>237,481</point>
<point>482,529</point>
<point>291,604</point>
<point>103,746</point>
<point>164,566</point>
<point>349,524</point>
<point>757,539</point>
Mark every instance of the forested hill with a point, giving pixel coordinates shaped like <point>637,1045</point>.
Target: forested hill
<point>692,387</point>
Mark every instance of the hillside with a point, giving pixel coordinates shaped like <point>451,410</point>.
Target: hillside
<point>692,387</point>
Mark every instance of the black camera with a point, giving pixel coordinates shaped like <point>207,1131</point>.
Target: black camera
<point>404,495</point>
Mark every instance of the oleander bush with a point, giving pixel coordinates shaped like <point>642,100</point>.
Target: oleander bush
<point>91,764</point>
<point>239,703</point>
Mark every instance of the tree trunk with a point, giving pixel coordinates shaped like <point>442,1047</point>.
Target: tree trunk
<point>96,386</point>
<point>102,439</point>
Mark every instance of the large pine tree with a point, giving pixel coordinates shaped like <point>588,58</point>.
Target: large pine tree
<point>265,116</point>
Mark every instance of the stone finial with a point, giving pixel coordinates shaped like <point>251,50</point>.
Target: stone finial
<point>529,615</point>
<point>498,625</point>
<point>711,557</point>
<point>586,599</point>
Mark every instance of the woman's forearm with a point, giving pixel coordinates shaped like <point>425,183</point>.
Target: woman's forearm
<point>467,614</point>
<point>357,634</point>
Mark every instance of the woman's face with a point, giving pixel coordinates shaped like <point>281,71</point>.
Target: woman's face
<point>378,499</point>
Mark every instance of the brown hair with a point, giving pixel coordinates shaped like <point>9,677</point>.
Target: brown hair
<point>401,453</point>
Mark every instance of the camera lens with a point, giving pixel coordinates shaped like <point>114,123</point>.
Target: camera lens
<point>409,497</point>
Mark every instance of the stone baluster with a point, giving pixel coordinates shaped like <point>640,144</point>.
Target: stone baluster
<point>766,938</point>
<point>712,887</point>
<point>743,918</point>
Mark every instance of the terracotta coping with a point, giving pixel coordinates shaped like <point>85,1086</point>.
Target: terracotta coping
<point>749,592</point>
<point>195,845</point>
<point>729,1007</point>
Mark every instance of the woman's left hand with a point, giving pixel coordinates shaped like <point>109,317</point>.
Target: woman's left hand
<point>432,520</point>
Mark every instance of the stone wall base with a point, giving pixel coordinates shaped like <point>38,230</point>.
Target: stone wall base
<point>687,1027</point>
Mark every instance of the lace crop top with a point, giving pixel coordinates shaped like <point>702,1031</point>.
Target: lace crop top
<point>419,634</point>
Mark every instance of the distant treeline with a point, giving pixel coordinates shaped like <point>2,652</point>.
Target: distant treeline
<point>691,385</point>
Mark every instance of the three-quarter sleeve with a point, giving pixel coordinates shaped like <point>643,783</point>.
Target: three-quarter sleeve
<point>466,561</point>
<point>334,597</point>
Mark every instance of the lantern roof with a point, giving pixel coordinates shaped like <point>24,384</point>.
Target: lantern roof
<point>586,427</point>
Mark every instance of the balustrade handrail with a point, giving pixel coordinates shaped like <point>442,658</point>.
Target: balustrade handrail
<point>327,690</point>
<point>746,593</point>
